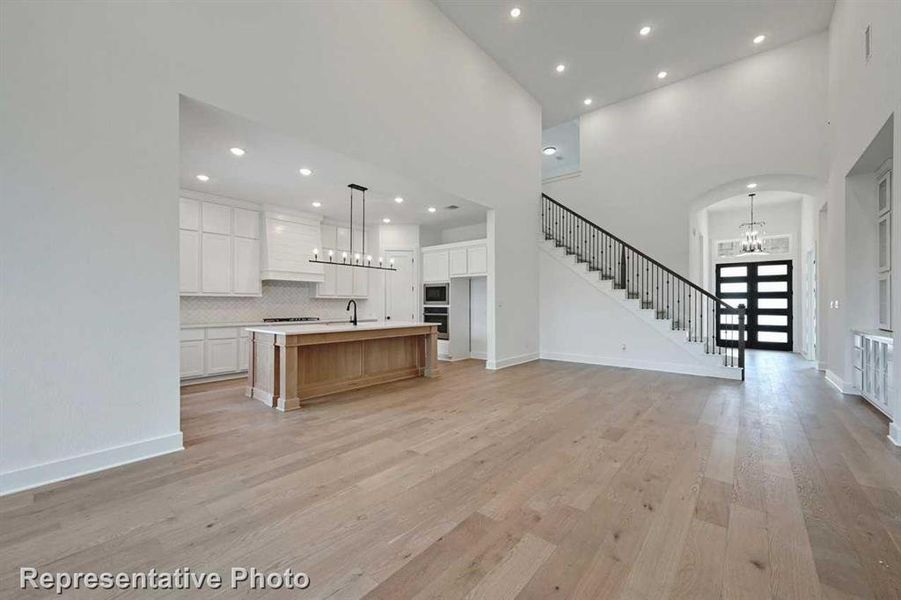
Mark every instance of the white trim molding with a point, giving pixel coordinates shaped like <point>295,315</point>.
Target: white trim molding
<point>839,383</point>
<point>894,433</point>
<point>495,365</point>
<point>91,462</point>
<point>644,365</point>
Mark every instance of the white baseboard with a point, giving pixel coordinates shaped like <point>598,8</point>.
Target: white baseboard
<point>821,366</point>
<point>479,355</point>
<point>894,433</point>
<point>31,477</point>
<point>677,368</point>
<point>839,383</point>
<point>510,362</point>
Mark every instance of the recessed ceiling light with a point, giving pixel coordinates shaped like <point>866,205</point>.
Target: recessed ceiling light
<point>317,204</point>
<point>662,75</point>
<point>398,199</point>
<point>432,209</point>
<point>306,172</point>
<point>237,151</point>
<point>644,30</point>
<point>560,68</point>
<point>759,39</point>
<point>203,178</point>
<point>751,186</point>
<point>587,101</point>
<point>386,220</point>
<point>515,12</point>
<point>549,150</point>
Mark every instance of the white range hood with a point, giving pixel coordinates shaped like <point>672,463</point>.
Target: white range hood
<point>288,241</point>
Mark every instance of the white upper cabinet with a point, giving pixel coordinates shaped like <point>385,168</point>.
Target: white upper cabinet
<point>189,261</point>
<point>435,266</point>
<point>215,266</point>
<point>216,218</point>
<point>247,223</point>
<point>219,249</point>
<point>477,259</point>
<point>460,259</point>
<point>457,260</point>
<point>338,281</point>
<point>246,268</point>
<point>289,240</point>
<point>189,214</point>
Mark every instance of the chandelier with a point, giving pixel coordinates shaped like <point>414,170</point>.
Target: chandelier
<point>752,234</point>
<point>359,260</point>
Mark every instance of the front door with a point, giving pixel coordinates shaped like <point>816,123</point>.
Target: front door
<point>765,288</point>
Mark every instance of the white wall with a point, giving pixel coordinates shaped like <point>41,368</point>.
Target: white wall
<point>478,317</point>
<point>655,154</point>
<point>433,236</point>
<point>90,185</point>
<point>580,323</point>
<point>862,96</point>
<point>781,219</point>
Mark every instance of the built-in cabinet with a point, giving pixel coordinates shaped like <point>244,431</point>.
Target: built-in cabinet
<point>338,281</point>
<point>873,375</point>
<point>219,249</point>
<point>213,351</point>
<point>461,259</point>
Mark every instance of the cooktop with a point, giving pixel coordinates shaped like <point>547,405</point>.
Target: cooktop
<point>289,319</point>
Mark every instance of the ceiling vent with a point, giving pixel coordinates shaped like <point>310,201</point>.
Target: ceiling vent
<point>868,43</point>
<point>451,207</point>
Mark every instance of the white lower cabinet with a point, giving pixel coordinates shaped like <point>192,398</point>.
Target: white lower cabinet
<point>873,375</point>
<point>221,356</point>
<point>206,352</point>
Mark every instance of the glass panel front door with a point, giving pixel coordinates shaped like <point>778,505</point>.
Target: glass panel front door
<point>765,288</point>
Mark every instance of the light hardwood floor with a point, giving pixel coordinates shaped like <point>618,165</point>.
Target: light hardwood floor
<point>546,480</point>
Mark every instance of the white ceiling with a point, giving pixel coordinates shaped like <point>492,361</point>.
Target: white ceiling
<point>605,57</point>
<point>269,173</point>
<point>761,199</point>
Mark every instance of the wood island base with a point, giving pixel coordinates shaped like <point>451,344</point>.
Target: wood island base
<point>306,362</point>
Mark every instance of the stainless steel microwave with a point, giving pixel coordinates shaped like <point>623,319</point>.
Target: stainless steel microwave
<point>436,293</point>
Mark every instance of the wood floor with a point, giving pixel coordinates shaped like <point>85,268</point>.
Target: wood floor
<point>546,480</point>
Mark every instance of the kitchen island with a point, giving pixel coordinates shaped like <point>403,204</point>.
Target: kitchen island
<point>289,364</point>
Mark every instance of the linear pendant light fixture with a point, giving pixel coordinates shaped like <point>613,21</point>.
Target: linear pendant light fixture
<point>752,234</point>
<point>357,261</point>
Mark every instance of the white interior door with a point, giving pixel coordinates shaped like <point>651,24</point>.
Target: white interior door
<point>400,287</point>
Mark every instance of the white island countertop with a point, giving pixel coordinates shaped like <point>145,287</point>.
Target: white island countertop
<point>336,327</point>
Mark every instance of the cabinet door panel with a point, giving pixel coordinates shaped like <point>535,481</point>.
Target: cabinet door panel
<point>434,267</point>
<point>342,235</point>
<point>221,356</point>
<point>247,223</point>
<point>361,282</point>
<point>246,274</point>
<point>477,260</point>
<point>191,359</point>
<point>189,261</point>
<point>216,218</point>
<point>243,353</point>
<point>344,281</point>
<point>216,263</point>
<point>457,262</point>
<point>328,286</point>
<point>188,214</point>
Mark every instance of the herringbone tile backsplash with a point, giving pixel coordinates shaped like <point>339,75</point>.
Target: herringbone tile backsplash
<point>279,299</point>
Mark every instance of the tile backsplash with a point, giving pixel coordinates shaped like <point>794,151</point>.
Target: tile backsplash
<point>279,299</point>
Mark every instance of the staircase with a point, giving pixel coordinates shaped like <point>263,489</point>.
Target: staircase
<point>704,324</point>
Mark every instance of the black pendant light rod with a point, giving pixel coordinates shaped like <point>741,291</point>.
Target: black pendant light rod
<point>315,259</point>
